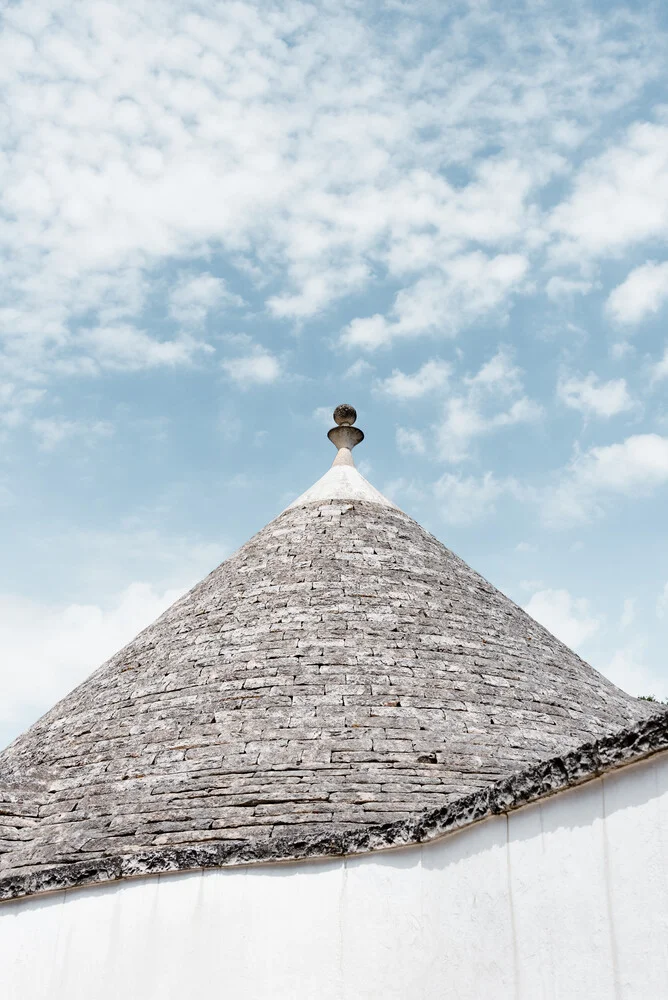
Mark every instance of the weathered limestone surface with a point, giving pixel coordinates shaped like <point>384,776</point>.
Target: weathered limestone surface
<point>591,760</point>
<point>341,672</point>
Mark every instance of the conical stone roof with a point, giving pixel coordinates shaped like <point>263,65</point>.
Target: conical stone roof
<point>342,670</point>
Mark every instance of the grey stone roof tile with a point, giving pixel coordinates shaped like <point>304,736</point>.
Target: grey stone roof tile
<point>343,670</point>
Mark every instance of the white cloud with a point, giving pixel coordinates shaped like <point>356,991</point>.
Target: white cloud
<point>627,669</point>
<point>642,294</point>
<point>124,348</point>
<point>318,290</point>
<point>468,287</point>
<point>634,467</point>
<point>324,415</point>
<point>559,288</point>
<point>569,619</point>
<point>432,375</point>
<point>257,368</point>
<point>410,442</point>
<point>498,375</point>
<point>477,412</point>
<point>464,499</point>
<point>358,368</point>
<point>621,350</point>
<point>49,649</point>
<point>462,423</point>
<point>409,489</point>
<point>196,295</point>
<point>660,369</point>
<point>589,395</point>
<point>619,199</point>
<point>367,333</point>
<point>16,403</point>
<point>52,431</point>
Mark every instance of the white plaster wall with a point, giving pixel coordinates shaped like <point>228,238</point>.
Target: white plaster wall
<point>564,899</point>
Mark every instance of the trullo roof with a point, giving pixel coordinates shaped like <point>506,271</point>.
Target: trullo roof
<point>341,671</point>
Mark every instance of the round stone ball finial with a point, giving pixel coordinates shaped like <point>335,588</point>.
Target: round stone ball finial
<point>345,415</point>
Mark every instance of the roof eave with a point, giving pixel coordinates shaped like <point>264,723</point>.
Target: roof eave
<point>587,762</point>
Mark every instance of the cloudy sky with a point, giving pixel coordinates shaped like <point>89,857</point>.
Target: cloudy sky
<point>218,220</point>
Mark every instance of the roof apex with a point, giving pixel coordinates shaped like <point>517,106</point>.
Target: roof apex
<point>343,481</point>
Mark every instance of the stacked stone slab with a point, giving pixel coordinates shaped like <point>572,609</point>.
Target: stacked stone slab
<point>343,670</point>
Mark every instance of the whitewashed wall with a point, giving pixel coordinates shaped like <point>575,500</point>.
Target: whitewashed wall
<point>565,899</point>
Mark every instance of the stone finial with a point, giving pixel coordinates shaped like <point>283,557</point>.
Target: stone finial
<point>344,435</point>
<point>345,414</point>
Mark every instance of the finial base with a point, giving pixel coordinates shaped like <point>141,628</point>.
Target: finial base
<point>345,436</point>
<point>344,457</point>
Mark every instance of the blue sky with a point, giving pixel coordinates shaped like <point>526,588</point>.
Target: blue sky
<point>217,221</point>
